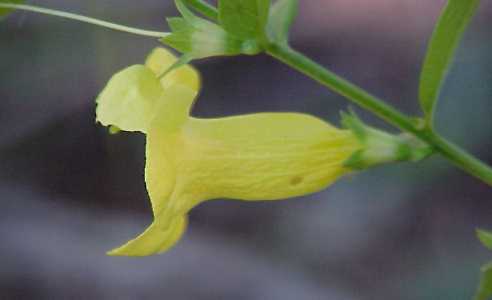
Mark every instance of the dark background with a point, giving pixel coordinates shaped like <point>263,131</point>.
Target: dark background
<point>69,191</point>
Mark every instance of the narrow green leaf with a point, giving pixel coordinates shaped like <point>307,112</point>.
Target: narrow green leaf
<point>485,237</point>
<point>204,8</point>
<point>6,11</point>
<point>442,47</point>
<point>245,19</point>
<point>282,15</point>
<point>484,291</point>
<point>185,12</point>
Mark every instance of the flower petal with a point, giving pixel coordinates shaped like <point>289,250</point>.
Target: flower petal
<point>162,138</point>
<point>155,239</point>
<point>129,99</point>
<point>160,60</point>
<point>169,205</point>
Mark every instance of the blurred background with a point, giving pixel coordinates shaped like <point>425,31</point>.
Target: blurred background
<point>69,191</point>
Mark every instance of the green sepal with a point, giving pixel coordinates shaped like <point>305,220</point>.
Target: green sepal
<point>282,15</point>
<point>379,147</point>
<point>245,19</point>
<point>442,47</point>
<point>197,37</point>
<point>5,11</point>
<point>351,121</point>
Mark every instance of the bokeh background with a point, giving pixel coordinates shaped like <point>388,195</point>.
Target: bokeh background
<point>69,191</point>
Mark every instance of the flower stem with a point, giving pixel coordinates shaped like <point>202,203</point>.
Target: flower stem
<point>458,156</point>
<point>84,19</point>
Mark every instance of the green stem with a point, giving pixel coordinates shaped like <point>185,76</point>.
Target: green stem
<point>84,19</point>
<point>461,158</point>
<point>204,8</point>
<point>378,107</point>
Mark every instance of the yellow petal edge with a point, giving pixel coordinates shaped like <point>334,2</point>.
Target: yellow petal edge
<point>130,99</point>
<point>264,156</point>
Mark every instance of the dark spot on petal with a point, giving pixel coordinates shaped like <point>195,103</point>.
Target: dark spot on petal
<point>296,180</point>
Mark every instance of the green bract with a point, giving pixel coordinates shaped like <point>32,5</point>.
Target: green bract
<point>6,11</point>
<point>197,37</point>
<point>445,39</point>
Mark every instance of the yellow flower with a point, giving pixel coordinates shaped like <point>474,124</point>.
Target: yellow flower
<point>265,156</point>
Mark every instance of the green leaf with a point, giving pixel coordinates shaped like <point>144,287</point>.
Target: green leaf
<point>282,15</point>
<point>442,47</point>
<point>245,19</point>
<point>484,291</point>
<point>485,237</point>
<point>6,11</point>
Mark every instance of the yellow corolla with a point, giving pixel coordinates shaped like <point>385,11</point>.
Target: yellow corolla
<point>265,156</point>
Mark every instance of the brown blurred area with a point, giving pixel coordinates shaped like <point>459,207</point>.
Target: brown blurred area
<point>69,191</point>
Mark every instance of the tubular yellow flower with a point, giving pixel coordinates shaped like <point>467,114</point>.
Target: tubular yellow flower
<point>265,156</point>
